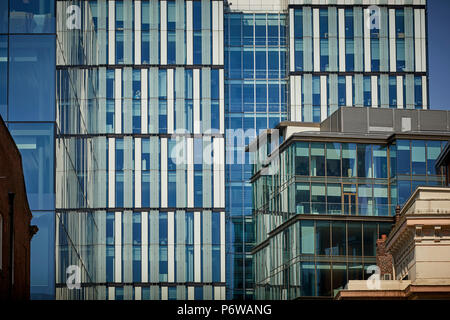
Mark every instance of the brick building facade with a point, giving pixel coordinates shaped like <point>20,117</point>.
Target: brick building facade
<point>13,202</point>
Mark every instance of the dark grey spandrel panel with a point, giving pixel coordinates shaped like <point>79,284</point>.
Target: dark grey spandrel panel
<point>433,120</point>
<point>381,118</point>
<point>354,120</point>
<point>336,125</point>
<point>326,125</point>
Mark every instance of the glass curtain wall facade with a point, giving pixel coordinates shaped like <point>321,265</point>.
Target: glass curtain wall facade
<point>150,141</point>
<point>327,205</point>
<point>337,59</point>
<point>255,100</point>
<point>27,105</point>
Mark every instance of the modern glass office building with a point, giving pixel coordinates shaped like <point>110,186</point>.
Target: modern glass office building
<point>332,193</point>
<point>255,99</point>
<point>27,104</point>
<point>137,112</point>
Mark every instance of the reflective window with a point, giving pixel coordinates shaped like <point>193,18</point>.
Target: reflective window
<point>339,275</point>
<point>302,158</point>
<point>381,200</point>
<point>302,198</point>
<point>339,239</point>
<point>247,29</point>
<point>318,198</point>
<point>37,16</point>
<point>318,159</point>
<point>418,157</point>
<point>35,142</point>
<point>334,199</point>
<point>433,151</point>
<point>364,161</point>
<point>348,160</point>
<point>370,239</point>
<point>307,237</point>
<point>3,75</point>
<point>418,93</point>
<point>308,279</point>
<point>342,91</point>
<point>32,70</point>
<point>365,200</point>
<point>323,244</point>
<point>392,92</point>
<point>3,16</point>
<point>334,159</point>
<point>260,29</point>
<point>367,86</point>
<point>42,257</point>
<point>323,279</point>
<point>380,161</point>
<point>354,239</point>
<point>350,54</point>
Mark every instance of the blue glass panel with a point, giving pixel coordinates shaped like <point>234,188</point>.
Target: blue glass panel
<point>235,63</point>
<point>234,21</point>
<point>298,23</point>
<point>215,84</point>
<point>367,86</point>
<point>3,16</point>
<point>248,26</point>
<point>349,23</point>
<point>260,64</point>
<point>110,218</point>
<point>350,54</point>
<point>273,64</point>
<point>324,55</point>
<point>323,23</point>
<point>308,279</point>
<point>354,239</point>
<point>109,263</point>
<point>36,16</point>
<point>418,157</point>
<point>32,70</point>
<point>198,188</point>
<point>3,75</point>
<point>323,275</point>
<point>198,293</point>
<point>392,92</point>
<point>272,29</point>
<point>433,151</point>
<point>418,93</point>
<point>380,162</point>
<point>35,142</point>
<point>171,47</point>
<point>119,46</point>
<point>404,191</point>
<point>119,189</point>
<point>364,161</point>
<point>136,228</point>
<point>216,263</point>
<point>403,157</point>
<point>42,257</point>
<point>197,46</point>
<point>260,29</point>
<point>342,92</point>
<point>197,15</point>
<point>163,227</point>
<point>172,189</point>
<point>401,62</point>
<point>136,263</point>
<point>119,293</point>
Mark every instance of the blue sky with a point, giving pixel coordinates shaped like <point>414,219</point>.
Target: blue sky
<point>439,53</point>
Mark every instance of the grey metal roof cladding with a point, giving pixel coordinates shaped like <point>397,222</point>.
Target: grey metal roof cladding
<point>387,121</point>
